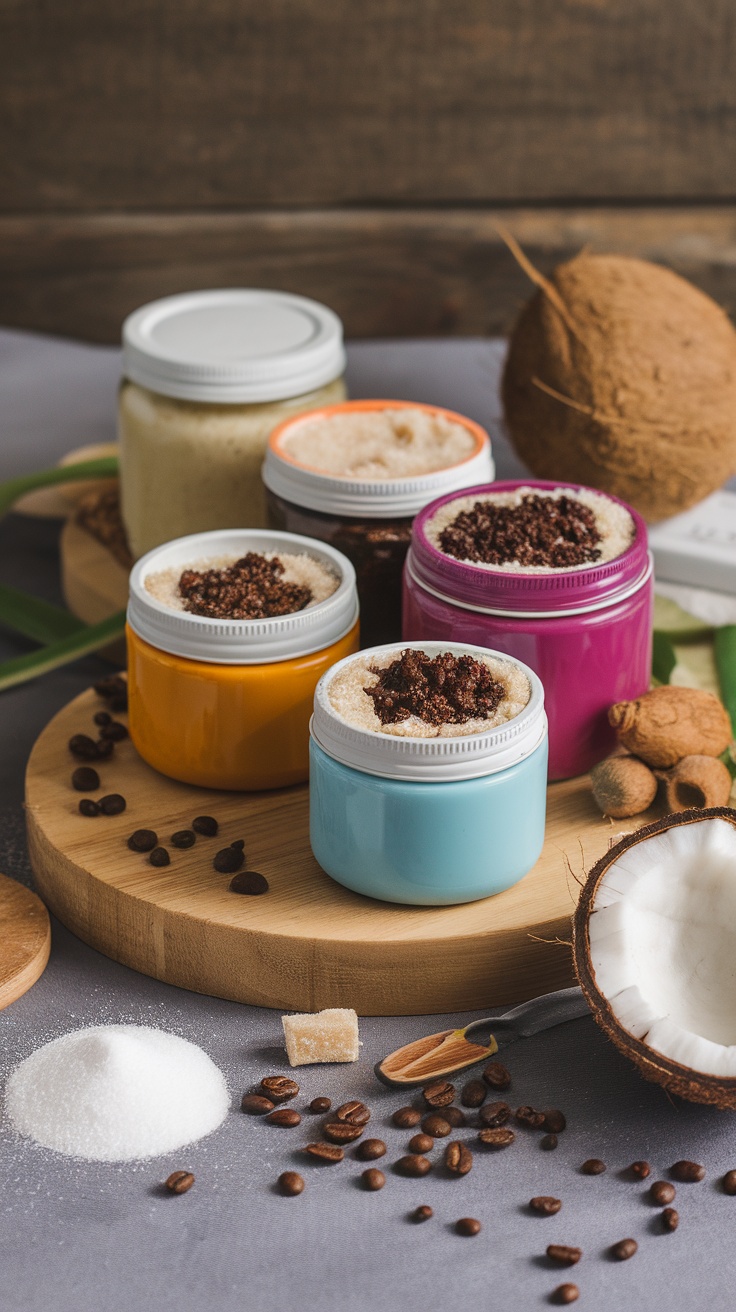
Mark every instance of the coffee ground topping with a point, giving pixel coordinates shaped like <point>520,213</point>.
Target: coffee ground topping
<point>250,589</point>
<point>443,689</point>
<point>551,532</point>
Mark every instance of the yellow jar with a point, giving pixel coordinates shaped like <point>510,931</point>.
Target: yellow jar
<point>226,703</point>
<point>207,377</point>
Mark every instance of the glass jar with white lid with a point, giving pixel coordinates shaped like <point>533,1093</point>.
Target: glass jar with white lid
<point>207,376</point>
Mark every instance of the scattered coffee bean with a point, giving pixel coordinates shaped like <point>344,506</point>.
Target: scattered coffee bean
<point>640,1170</point>
<point>179,1182</point>
<point>255,1104</point>
<point>549,1142</point>
<point>320,1105</point>
<point>564,1254</point>
<point>285,1117</point>
<point>687,1172</point>
<point>423,1213</point>
<point>88,807</point>
<point>567,1293</point>
<point>291,1184</point>
<point>468,1226</point>
<point>183,838</point>
<point>228,860</point>
<point>413,1165</point>
<point>239,844</point>
<point>325,1152</point>
<point>113,804</point>
<point>545,1206</point>
<point>249,881</point>
<point>353,1112</point>
<point>83,747</point>
<point>593,1166</point>
<point>421,1143</point>
<point>670,1219</point>
<point>105,749</point>
<point>373,1179</point>
<point>113,686</point>
<point>454,1117</point>
<point>114,732</point>
<point>494,1114</point>
<point>342,1132</point>
<point>370,1150</point>
<point>496,1138</point>
<point>206,825</point>
<point>436,1126</point>
<point>474,1093</point>
<point>279,1088</point>
<point>496,1076</point>
<point>624,1249</point>
<point>728,1183</point>
<point>102,717</point>
<point>159,857</point>
<point>555,1122</point>
<point>458,1158</point>
<point>529,1117</point>
<point>440,1093</point>
<point>85,779</point>
<point>661,1192</point>
<point>406,1117</point>
<point>142,840</point>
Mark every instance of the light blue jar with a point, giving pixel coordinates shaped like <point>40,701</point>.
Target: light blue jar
<point>428,821</point>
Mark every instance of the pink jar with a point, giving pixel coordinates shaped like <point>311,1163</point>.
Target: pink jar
<point>587,632</point>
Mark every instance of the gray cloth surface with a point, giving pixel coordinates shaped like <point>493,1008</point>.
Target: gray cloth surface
<point>85,1237</point>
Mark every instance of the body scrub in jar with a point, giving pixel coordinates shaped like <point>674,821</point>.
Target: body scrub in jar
<point>556,575</point>
<point>228,635</point>
<point>428,770</point>
<point>207,377</point>
<point>356,475</point>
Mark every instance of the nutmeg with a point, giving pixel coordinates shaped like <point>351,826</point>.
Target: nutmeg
<point>696,781</point>
<point>623,786</point>
<point>668,723</point>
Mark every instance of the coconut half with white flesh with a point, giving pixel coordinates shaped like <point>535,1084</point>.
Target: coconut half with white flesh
<point>654,938</point>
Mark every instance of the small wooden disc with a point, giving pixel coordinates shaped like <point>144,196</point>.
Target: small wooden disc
<point>25,939</point>
<point>307,943</point>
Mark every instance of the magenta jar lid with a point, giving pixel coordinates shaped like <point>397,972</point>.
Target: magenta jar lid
<point>498,591</point>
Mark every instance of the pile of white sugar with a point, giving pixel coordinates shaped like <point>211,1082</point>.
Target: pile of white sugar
<point>348,698</point>
<point>303,569</point>
<point>117,1093</point>
<point>379,444</point>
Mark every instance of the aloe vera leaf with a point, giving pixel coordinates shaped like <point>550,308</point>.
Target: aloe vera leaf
<point>61,652</point>
<point>664,659</point>
<point>10,491</point>
<point>35,618</point>
<point>724,646</point>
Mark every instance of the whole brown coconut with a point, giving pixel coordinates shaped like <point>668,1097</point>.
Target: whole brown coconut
<point>622,375</point>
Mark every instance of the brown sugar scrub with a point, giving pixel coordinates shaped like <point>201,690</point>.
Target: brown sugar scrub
<point>254,586</point>
<point>378,444</point>
<point>529,530</point>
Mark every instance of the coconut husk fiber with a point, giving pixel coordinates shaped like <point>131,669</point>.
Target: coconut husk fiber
<point>621,375</point>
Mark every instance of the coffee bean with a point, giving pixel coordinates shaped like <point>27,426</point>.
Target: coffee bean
<point>423,1213</point>
<point>454,1117</point>
<point>373,1179</point>
<point>496,1076</point>
<point>640,1170</point>
<point>279,1088</point>
<point>142,840</point>
<point>687,1172</point>
<point>413,1164</point>
<point>593,1166</point>
<point>624,1249</point>
<point>440,1093</point>
<point>728,1183</point>
<point>325,1152</point>
<point>85,779</point>
<point>436,1126</point>
<point>567,1293</point>
<point>670,1219</point>
<point>88,807</point>
<point>545,1206</point>
<point>228,860</point>
<point>179,1182</point>
<point>206,825</point>
<point>353,1112</point>
<point>114,732</point>
<point>83,747</point>
<point>529,1117</point>
<point>105,749</point>
<point>421,1143</point>
<point>496,1138</point>
<point>102,717</point>
<point>458,1158</point>
<point>342,1132</point>
<point>494,1114</point>
<point>474,1093</point>
<point>159,857</point>
<point>320,1105</point>
<point>256,1105</point>
<point>555,1122</point>
<point>183,838</point>
<point>564,1254</point>
<point>661,1192</point>
<point>406,1117</point>
<point>291,1184</point>
<point>285,1117</point>
<point>370,1149</point>
<point>249,881</point>
<point>113,804</point>
<point>112,686</point>
<point>468,1226</point>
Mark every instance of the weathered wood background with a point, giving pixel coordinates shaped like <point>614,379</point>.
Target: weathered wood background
<point>360,152</point>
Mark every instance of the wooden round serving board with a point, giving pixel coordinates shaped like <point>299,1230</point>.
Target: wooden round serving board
<point>308,943</point>
<point>25,939</point>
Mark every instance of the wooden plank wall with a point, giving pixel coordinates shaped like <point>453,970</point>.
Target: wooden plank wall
<point>363,153</point>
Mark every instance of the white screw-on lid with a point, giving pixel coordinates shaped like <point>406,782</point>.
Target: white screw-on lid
<point>429,759</point>
<point>241,642</point>
<point>233,346</point>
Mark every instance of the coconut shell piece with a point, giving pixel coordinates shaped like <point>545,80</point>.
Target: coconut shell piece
<point>669,723</point>
<point>623,786</point>
<point>695,1086</point>
<point>701,781</point>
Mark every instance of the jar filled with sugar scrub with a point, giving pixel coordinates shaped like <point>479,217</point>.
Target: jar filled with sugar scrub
<point>558,576</point>
<point>207,377</point>
<point>428,772</point>
<point>228,635</point>
<point>356,475</point>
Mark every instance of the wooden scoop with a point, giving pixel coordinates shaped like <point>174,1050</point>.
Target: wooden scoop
<point>452,1050</point>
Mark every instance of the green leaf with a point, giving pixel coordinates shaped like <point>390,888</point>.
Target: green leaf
<point>724,646</point>
<point>90,638</point>
<point>35,618</point>
<point>664,659</point>
<point>103,467</point>
<point>678,624</point>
